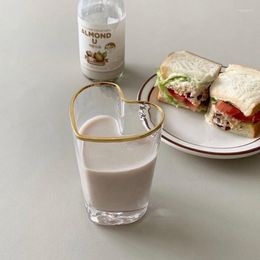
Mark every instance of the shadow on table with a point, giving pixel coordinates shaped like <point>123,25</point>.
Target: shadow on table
<point>193,228</point>
<point>166,231</point>
<point>159,227</point>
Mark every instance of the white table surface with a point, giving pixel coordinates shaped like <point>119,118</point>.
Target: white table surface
<point>200,208</point>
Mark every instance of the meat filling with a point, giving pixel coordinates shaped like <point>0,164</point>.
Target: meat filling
<point>224,121</point>
<point>195,95</point>
<point>221,121</point>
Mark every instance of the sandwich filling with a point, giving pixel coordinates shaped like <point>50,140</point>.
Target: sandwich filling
<point>183,91</point>
<point>228,117</point>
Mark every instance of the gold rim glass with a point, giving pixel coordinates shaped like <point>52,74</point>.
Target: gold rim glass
<point>116,142</point>
<point>150,115</point>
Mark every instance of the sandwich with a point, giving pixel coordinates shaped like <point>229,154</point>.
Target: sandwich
<point>184,79</point>
<point>235,101</point>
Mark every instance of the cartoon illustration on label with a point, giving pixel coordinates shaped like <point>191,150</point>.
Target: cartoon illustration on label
<point>100,58</point>
<point>101,48</point>
<point>96,58</point>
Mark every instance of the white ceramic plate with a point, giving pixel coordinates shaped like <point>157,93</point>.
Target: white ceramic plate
<point>188,131</point>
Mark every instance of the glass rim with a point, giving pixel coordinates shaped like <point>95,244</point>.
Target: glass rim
<point>123,98</point>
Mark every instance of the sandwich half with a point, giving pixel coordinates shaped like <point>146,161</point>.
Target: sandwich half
<point>184,80</point>
<point>235,101</point>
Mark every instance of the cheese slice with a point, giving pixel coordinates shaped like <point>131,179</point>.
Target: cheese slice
<point>239,86</point>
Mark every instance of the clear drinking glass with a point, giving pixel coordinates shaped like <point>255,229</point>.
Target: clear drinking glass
<point>116,142</point>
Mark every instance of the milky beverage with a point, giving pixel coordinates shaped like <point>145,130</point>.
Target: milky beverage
<point>115,176</point>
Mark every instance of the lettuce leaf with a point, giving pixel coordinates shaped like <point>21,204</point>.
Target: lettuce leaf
<point>171,78</point>
<point>162,85</point>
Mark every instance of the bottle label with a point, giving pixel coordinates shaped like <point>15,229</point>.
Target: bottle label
<point>101,47</point>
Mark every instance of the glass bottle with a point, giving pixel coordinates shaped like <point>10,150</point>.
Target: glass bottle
<point>101,25</point>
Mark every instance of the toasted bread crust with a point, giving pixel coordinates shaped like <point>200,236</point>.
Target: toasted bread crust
<point>160,97</point>
<point>249,130</point>
<point>256,129</point>
<point>256,109</point>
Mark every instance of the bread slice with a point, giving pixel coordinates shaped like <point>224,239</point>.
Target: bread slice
<point>187,75</point>
<point>239,86</point>
<point>235,126</point>
<point>161,98</point>
<point>191,65</point>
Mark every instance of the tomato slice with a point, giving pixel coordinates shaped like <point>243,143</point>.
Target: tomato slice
<point>182,99</point>
<point>254,118</point>
<point>227,108</point>
<point>232,111</point>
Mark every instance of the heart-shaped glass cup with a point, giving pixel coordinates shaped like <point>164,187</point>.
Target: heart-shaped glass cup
<point>116,142</point>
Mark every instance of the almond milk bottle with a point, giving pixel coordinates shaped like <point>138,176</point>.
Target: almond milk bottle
<point>101,28</point>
